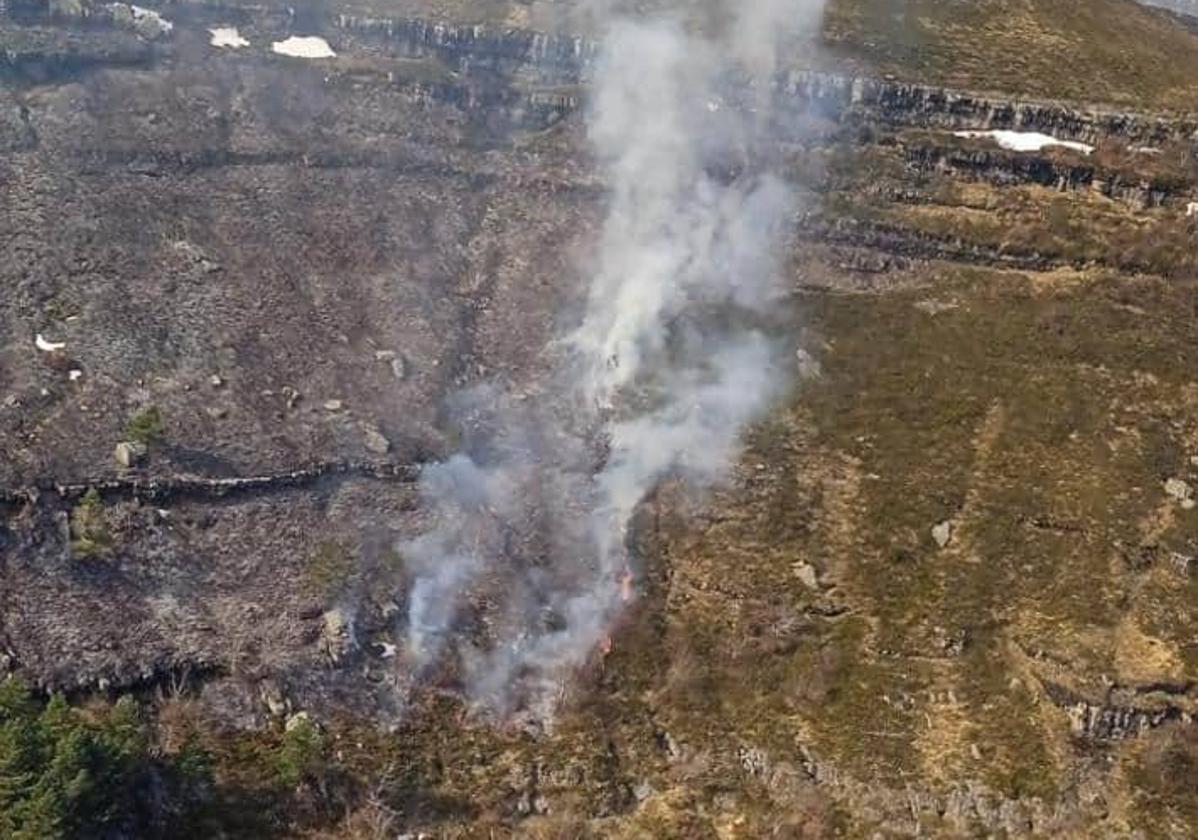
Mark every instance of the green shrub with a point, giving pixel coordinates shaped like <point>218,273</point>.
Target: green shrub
<point>146,427</point>
<point>89,526</point>
<point>302,754</point>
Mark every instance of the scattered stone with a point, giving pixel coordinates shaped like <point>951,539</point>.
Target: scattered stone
<point>935,307</point>
<point>1181,562</point>
<point>333,405</point>
<point>216,412</point>
<point>1179,490</point>
<point>336,635</point>
<point>950,643</point>
<point>67,8</point>
<point>273,699</point>
<point>399,368</point>
<point>805,572</point>
<point>376,441</point>
<point>149,24</point>
<point>215,381</point>
<point>291,395</point>
<point>297,720</point>
<point>74,375</point>
<point>753,760</point>
<point>943,533</point>
<point>129,453</point>
<point>529,804</point>
<point>197,257</point>
<point>808,367</point>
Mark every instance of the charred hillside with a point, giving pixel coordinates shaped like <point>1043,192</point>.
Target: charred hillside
<point>946,586</point>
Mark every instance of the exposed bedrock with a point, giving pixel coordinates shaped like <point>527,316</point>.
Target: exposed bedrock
<point>1008,168</point>
<point>564,60</point>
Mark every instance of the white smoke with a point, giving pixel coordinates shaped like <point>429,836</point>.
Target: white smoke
<point>519,578</point>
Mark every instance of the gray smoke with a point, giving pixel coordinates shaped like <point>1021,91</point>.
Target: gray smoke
<point>520,576</point>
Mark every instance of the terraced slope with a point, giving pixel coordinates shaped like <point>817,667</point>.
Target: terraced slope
<point>1111,51</point>
<point>948,590</point>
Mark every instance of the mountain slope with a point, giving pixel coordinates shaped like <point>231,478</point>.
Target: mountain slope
<point>1111,51</point>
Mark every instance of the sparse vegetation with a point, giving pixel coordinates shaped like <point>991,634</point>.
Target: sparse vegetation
<point>303,753</point>
<point>803,658</point>
<point>1085,50</point>
<point>90,536</point>
<point>146,427</point>
<point>329,568</point>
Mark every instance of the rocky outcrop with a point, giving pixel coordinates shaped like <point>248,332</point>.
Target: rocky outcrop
<point>899,103</point>
<point>840,97</point>
<point>965,808</point>
<point>1005,169</point>
<point>44,54</point>
<point>563,60</point>
<point>472,45</point>
<point>162,488</point>
<point>913,244</point>
<point>1125,712</point>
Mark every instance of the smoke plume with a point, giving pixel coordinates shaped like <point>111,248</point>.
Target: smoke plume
<point>525,569</point>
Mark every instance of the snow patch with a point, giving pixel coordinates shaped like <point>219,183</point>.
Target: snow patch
<point>227,36</point>
<point>1026,141</point>
<point>311,46</point>
<point>48,346</point>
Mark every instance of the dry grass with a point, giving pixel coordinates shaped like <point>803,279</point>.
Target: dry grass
<point>1104,51</point>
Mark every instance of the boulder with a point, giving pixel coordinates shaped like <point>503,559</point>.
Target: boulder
<point>129,453</point>
<point>943,533</point>
<point>336,635</point>
<point>375,440</point>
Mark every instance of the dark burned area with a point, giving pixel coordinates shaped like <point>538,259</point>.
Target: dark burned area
<point>945,590</point>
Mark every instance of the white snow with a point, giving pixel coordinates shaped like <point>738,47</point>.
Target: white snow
<point>310,46</point>
<point>227,36</point>
<point>1026,141</point>
<point>48,346</point>
<point>143,14</point>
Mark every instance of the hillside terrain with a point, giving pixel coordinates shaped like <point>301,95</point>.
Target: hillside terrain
<point>948,589</point>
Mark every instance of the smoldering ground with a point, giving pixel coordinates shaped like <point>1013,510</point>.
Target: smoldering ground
<point>523,569</point>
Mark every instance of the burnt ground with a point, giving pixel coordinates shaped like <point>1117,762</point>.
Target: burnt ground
<point>948,590</point>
